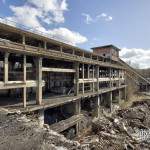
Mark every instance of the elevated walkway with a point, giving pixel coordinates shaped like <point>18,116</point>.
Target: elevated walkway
<point>134,75</point>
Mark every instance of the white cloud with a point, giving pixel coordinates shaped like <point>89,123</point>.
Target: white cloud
<point>26,15</point>
<point>102,16</point>
<point>138,58</point>
<point>109,18</point>
<point>69,36</point>
<point>88,18</point>
<point>52,10</point>
<point>35,13</point>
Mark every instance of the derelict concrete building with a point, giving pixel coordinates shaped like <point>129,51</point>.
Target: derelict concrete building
<point>58,80</point>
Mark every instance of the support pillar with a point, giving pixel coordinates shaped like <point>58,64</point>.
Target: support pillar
<point>98,106</point>
<point>93,78</point>
<point>76,79</point>
<point>23,39</point>
<point>39,81</point>
<point>97,77</point>
<point>73,52</point>
<point>125,93</point>
<point>110,76</point>
<point>119,96</point>
<point>78,107</point>
<point>83,78</point>
<point>45,45</point>
<point>61,49</point>
<point>24,79</point>
<point>6,63</point>
<point>78,111</point>
<point>88,71</point>
<point>41,117</point>
<point>110,101</point>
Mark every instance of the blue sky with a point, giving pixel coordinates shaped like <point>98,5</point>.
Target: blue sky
<point>86,23</point>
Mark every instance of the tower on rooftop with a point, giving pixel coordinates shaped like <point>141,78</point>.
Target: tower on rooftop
<point>108,51</point>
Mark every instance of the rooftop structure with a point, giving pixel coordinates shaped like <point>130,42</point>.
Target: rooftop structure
<point>108,51</point>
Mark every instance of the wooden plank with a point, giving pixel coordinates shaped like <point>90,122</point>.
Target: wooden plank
<point>58,70</point>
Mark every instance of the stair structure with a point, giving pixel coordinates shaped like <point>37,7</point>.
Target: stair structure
<point>143,83</point>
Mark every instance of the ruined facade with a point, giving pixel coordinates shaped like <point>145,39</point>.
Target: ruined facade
<point>57,80</point>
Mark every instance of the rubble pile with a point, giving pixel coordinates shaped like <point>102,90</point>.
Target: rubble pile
<point>127,129</point>
<point>22,132</point>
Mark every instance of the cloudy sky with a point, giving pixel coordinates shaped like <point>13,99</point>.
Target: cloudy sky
<point>86,23</point>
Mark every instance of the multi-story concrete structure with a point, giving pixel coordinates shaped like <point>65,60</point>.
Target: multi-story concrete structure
<point>56,79</point>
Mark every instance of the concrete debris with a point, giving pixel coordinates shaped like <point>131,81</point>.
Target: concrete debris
<point>127,129</point>
<point>22,132</point>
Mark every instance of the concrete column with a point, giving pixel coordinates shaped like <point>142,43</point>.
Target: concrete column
<point>23,39</point>
<point>125,93</point>
<point>88,71</point>
<point>83,78</point>
<point>24,68</point>
<point>61,49</point>
<point>110,73</point>
<point>24,79</point>
<point>6,63</point>
<point>119,96</point>
<point>78,111</point>
<point>76,79</point>
<point>45,45</point>
<point>93,78</point>
<point>73,52</point>
<point>119,71</point>
<point>110,101</point>
<point>83,54</point>
<point>98,106</point>
<point>39,80</point>
<point>78,107</point>
<point>97,77</point>
<point>41,117</point>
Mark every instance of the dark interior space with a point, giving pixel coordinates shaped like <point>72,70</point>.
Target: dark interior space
<point>10,36</point>
<point>60,113</point>
<point>88,106</point>
<point>70,133</point>
<point>15,67</point>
